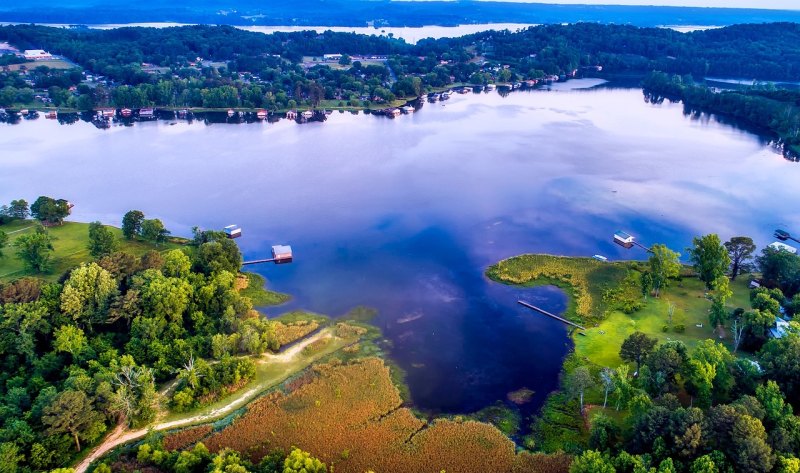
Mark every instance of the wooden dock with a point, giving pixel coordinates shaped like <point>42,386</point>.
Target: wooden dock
<point>542,311</point>
<point>642,247</point>
<point>258,261</point>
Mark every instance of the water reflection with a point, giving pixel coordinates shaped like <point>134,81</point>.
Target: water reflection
<point>404,215</point>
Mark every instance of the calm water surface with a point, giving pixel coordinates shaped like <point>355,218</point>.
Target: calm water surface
<point>404,215</point>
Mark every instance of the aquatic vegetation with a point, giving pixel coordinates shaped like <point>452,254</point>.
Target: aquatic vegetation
<point>521,396</point>
<point>355,408</point>
<point>287,333</point>
<point>584,277</point>
<point>186,437</point>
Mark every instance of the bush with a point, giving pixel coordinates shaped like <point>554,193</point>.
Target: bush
<point>665,328</point>
<point>680,328</point>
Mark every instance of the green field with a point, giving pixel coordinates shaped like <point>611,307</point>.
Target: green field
<point>602,343</point>
<point>70,243</point>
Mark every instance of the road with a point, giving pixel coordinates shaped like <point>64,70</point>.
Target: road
<point>121,434</point>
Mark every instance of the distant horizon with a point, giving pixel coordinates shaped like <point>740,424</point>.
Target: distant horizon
<point>750,4</point>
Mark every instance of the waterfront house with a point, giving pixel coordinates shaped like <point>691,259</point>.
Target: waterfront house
<point>780,329</point>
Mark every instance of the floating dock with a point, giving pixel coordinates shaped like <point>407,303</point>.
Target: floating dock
<point>542,311</point>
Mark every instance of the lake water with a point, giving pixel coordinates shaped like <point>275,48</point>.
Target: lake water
<point>410,34</point>
<point>405,215</point>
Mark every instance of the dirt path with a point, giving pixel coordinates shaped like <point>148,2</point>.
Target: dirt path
<point>121,434</point>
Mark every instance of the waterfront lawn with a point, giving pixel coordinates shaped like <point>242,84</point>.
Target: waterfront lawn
<point>602,343</point>
<point>70,242</point>
<point>257,292</point>
<point>584,279</point>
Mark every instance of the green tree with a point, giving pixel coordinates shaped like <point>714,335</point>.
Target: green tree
<point>132,223</point>
<point>35,249</point>
<point>592,461</point>
<point>299,461</point>
<point>19,209</point>
<point>776,410</point>
<point>700,377</point>
<point>176,264</point>
<point>780,359</point>
<point>88,294</point>
<point>780,268</point>
<point>577,382</point>
<point>740,251</point>
<point>70,339</point>
<point>49,210</point>
<point>153,230</point>
<point>10,457</point>
<point>72,413</point>
<point>102,241</point>
<point>3,241</point>
<point>750,451</point>
<point>216,256</point>
<point>636,347</point>
<point>664,264</point>
<point>710,258</point>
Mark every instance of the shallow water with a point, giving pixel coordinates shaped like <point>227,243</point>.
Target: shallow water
<point>405,215</point>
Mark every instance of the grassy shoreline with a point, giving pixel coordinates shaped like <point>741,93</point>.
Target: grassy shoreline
<point>70,242</point>
<point>559,426</point>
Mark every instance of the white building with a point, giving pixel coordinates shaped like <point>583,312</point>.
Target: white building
<point>780,328</point>
<point>331,57</point>
<point>36,54</point>
<point>783,246</point>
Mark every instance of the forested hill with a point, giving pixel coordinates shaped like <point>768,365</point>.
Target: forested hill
<point>378,12</point>
<point>764,51</point>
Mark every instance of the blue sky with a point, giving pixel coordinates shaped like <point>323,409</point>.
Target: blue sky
<point>771,4</point>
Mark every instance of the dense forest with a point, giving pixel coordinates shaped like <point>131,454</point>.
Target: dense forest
<point>378,12</point>
<point>221,67</point>
<point>81,355</point>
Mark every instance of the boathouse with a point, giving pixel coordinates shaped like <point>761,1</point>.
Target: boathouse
<point>282,253</point>
<point>233,231</point>
<point>623,239</point>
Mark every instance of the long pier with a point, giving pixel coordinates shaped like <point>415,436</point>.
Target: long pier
<point>258,261</point>
<point>542,311</point>
<point>642,247</point>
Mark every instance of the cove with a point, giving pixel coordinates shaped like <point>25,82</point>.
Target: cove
<point>405,215</point>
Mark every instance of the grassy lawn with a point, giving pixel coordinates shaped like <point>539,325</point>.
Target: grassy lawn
<point>70,242</point>
<point>258,293</point>
<point>602,343</point>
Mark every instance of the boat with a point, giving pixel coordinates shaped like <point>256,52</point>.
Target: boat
<point>464,90</point>
<point>24,111</point>
<point>490,87</point>
<point>261,114</point>
<point>445,96</point>
<point>51,115</point>
<point>393,112</point>
<point>230,112</point>
<point>126,112</point>
<point>407,109</point>
<point>147,114</point>
<point>307,114</point>
<point>600,258</point>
